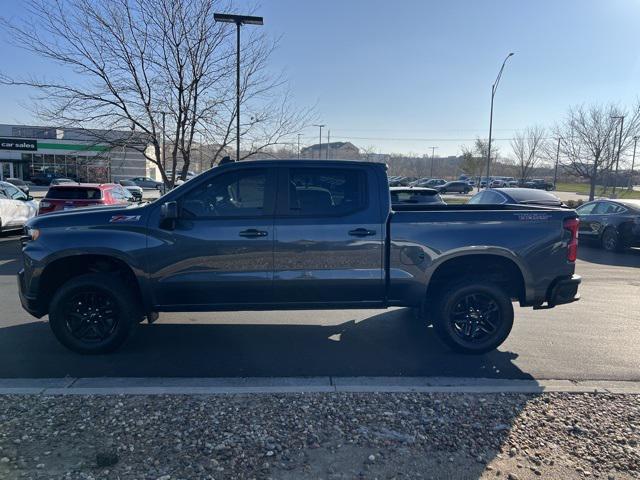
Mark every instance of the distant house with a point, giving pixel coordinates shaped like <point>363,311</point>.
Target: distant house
<point>333,150</point>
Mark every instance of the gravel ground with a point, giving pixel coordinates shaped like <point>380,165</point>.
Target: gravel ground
<point>312,436</point>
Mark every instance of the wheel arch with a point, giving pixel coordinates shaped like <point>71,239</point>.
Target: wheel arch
<point>64,268</point>
<point>498,267</point>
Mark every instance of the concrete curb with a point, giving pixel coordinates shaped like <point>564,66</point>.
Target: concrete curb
<point>216,386</point>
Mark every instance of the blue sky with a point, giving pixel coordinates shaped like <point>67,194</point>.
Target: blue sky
<point>421,71</point>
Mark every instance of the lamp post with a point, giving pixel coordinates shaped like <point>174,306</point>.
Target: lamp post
<point>633,161</point>
<point>555,172</point>
<point>328,144</point>
<point>494,87</point>
<point>615,179</point>
<point>320,140</point>
<point>162,140</point>
<point>239,20</point>
<point>433,154</point>
<point>299,146</point>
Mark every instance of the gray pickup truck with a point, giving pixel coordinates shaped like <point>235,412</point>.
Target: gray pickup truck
<point>285,234</point>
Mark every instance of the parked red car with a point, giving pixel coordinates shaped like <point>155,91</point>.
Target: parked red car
<point>68,197</point>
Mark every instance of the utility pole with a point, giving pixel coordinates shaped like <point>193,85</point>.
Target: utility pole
<point>633,161</point>
<point>320,141</point>
<point>299,146</point>
<point>164,161</point>
<point>615,180</point>
<point>328,144</point>
<point>555,172</point>
<point>433,154</point>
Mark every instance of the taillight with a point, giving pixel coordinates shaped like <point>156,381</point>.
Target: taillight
<point>571,224</point>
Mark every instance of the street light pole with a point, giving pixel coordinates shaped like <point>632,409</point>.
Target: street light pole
<point>555,172</point>
<point>319,141</point>
<point>164,161</point>
<point>494,87</point>
<point>615,179</point>
<point>433,154</point>
<point>633,161</point>
<point>299,146</point>
<point>239,20</point>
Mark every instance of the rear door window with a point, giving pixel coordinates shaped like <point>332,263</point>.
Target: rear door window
<point>326,191</point>
<point>601,208</point>
<point>71,193</point>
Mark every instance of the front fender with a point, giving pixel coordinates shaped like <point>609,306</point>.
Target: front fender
<point>125,244</point>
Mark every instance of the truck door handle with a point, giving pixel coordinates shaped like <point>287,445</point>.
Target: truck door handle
<point>361,232</point>
<point>253,233</point>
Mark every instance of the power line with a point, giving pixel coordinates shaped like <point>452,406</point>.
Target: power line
<point>418,139</point>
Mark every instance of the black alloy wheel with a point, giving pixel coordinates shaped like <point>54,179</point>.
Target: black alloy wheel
<point>95,312</point>
<point>473,316</point>
<point>91,316</point>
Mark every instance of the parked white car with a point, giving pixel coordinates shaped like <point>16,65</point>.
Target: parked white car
<point>15,207</point>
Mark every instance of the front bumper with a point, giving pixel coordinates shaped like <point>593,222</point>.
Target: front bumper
<point>29,303</point>
<point>562,291</point>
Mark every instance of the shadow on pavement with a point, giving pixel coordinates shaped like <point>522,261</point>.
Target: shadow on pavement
<point>391,343</point>
<point>10,260</point>
<point>593,254</point>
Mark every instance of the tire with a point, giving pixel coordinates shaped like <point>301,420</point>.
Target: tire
<point>94,296</point>
<point>479,304</point>
<point>611,241</point>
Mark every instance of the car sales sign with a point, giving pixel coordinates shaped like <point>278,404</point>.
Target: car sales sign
<point>18,144</point>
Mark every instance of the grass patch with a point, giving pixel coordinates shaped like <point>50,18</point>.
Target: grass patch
<point>456,200</point>
<point>583,188</point>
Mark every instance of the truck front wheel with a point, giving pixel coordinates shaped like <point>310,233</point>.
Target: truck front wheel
<point>93,313</point>
<point>473,316</point>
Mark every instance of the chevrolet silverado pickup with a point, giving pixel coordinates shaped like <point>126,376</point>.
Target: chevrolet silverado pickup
<point>295,234</point>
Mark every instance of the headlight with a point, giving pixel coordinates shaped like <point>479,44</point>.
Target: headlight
<point>31,234</point>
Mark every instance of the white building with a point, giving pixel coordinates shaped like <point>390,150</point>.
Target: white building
<point>86,155</point>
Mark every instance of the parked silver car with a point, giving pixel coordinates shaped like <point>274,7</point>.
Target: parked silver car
<point>16,207</point>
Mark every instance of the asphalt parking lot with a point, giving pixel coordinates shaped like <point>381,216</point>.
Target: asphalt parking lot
<point>596,338</point>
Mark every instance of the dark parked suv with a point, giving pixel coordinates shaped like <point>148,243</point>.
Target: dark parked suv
<point>454,187</point>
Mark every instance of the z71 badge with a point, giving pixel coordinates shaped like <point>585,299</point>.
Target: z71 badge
<point>124,218</point>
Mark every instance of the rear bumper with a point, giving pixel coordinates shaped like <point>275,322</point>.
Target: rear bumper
<point>563,290</point>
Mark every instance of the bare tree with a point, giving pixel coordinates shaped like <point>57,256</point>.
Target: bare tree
<point>588,139</point>
<point>528,150</point>
<point>475,157</point>
<point>472,163</point>
<point>481,149</point>
<point>129,60</point>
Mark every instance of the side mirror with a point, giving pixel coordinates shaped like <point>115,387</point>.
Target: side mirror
<point>29,197</point>
<point>168,214</point>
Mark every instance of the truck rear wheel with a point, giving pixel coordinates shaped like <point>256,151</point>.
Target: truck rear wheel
<point>473,316</point>
<point>93,313</point>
